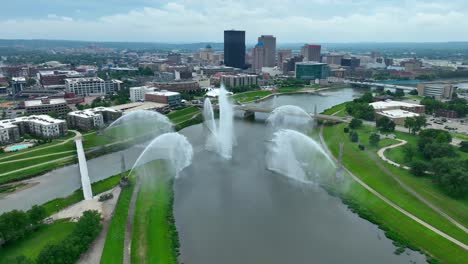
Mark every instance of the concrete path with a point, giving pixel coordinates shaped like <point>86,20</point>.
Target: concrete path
<point>37,165</point>
<point>381,153</point>
<point>94,253</point>
<point>389,202</point>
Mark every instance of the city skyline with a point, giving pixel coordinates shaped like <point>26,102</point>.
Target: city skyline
<point>184,21</point>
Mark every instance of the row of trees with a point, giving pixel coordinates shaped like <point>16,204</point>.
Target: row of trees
<point>16,225</point>
<point>415,124</point>
<point>69,250</point>
<point>459,105</point>
<point>360,108</point>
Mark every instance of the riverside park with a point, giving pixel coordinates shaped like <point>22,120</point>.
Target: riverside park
<point>255,177</point>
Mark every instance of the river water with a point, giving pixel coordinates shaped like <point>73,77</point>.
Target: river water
<point>238,212</point>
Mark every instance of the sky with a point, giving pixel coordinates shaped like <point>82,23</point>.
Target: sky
<point>182,21</point>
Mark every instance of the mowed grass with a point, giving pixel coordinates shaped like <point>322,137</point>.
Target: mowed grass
<point>249,96</point>
<point>12,166</point>
<point>114,246</point>
<point>337,110</point>
<point>360,163</point>
<point>152,240</point>
<point>179,113</point>
<point>383,214</point>
<point>32,245</point>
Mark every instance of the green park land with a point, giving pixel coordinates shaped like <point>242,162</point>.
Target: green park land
<point>368,167</point>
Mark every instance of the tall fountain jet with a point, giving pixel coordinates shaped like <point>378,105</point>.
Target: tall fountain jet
<point>221,139</point>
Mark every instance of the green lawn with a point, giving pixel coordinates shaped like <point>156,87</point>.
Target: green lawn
<point>289,89</point>
<point>153,237</point>
<point>6,167</point>
<point>460,136</point>
<point>38,151</point>
<point>113,249</point>
<point>182,112</point>
<point>249,96</point>
<point>337,110</point>
<point>32,245</point>
<point>388,218</point>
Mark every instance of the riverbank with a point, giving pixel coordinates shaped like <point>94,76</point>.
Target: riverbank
<point>398,226</point>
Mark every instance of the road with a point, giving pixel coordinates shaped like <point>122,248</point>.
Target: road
<point>390,203</point>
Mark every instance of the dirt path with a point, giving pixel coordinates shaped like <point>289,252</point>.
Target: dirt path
<point>389,202</point>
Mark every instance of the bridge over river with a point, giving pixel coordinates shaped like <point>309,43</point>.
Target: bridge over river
<point>250,110</point>
<point>383,85</point>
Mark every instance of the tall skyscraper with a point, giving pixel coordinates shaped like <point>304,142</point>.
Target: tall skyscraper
<point>234,48</point>
<point>259,57</point>
<point>311,52</point>
<point>269,43</point>
<point>283,55</point>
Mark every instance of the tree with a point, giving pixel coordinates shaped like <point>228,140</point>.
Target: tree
<point>413,92</point>
<point>408,151</point>
<point>355,123</point>
<point>438,150</point>
<point>385,124</point>
<point>354,136</point>
<point>451,175</point>
<point>409,123</point>
<point>374,139</point>
<point>418,168</point>
<point>431,135</point>
<point>19,260</point>
<point>36,214</point>
<point>464,146</point>
<point>30,82</point>
<point>399,93</point>
<point>367,97</point>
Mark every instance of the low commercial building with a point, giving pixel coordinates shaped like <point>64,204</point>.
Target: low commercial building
<point>173,99</point>
<point>310,70</point>
<point>47,105</point>
<point>138,93</point>
<point>95,118</point>
<point>85,86</point>
<point>396,115</point>
<point>150,106</point>
<point>397,111</point>
<point>210,70</point>
<point>178,86</point>
<point>438,91</point>
<point>42,126</point>
<point>239,80</point>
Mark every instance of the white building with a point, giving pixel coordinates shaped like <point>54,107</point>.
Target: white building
<point>9,133</point>
<point>38,125</point>
<point>94,118</point>
<point>86,86</point>
<point>138,93</point>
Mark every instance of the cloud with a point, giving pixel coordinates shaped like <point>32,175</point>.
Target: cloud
<point>296,21</point>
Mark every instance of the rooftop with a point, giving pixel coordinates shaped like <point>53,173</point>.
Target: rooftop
<point>38,119</point>
<point>38,102</point>
<point>398,113</point>
<point>130,107</point>
<point>164,93</point>
<point>89,79</point>
<point>389,103</point>
<point>310,63</point>
<point>91,112</point>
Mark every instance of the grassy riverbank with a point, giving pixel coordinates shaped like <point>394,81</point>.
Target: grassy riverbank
<point>113,248</point>
<point>398,226</point>
<point>155,238</point>
<point>249,96</point>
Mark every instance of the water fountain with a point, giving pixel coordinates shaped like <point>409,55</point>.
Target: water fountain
<point>298,156</point>
<point>289,117</point>
<point>171,147</point>
<point>221,140</point>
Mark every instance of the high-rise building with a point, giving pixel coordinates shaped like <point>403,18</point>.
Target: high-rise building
<point>234,48</point>
<point>312,70</point>
<point>269,44</point>
<point>334,59</point>
<point>311,52</point>
<point>18,84</point>
<point>290,64</point>
<point>283,55</point>
<point>258,57</point>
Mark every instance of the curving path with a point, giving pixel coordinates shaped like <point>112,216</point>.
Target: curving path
<point>381,153</point>
<point>389,202</point>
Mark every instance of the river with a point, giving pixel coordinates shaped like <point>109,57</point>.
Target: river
<point>238,212</point>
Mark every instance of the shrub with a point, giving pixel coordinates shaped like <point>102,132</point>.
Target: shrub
<point>354,136</point>
<point>418,168</point>
<point>361,147</point>
<point>374,139</point>
<point>355,123</point>
<point>464,146</point>
<point>346,129</point>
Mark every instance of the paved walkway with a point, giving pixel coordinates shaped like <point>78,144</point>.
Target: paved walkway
<point>381,153</point>
<point>389,202</point>
<point>37,165</point>
<point>36,157</point>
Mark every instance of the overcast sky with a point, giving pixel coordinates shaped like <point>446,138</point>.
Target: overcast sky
<point>205,20</point>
